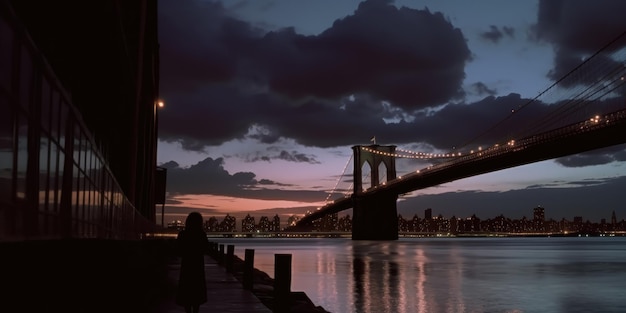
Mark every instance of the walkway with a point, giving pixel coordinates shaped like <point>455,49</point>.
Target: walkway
<point>224,291</point>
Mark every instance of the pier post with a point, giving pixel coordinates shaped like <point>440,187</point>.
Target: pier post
<point>220,255</point>
<point>214,249</point>
<point>230,258</point>
<point>282,282</point>
<point>248,270</point>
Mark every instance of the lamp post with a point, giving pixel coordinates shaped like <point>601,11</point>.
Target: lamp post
<point>160,177</point>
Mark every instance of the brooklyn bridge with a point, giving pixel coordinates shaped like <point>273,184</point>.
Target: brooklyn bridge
<point>586,111</point>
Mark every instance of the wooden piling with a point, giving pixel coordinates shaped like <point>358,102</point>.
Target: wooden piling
<point>220,255</point>
<point>248,270</point>
<point>282,282</point>
<point>230,258</point>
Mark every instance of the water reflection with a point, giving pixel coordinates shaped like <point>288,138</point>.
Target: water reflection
<point>455,275</point>
<point>402,277</point>
<point>386,279</point>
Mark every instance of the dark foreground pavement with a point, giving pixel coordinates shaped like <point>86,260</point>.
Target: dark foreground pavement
<point>224,292</point>
<point>104,276</point>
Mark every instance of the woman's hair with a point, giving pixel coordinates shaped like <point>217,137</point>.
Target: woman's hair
<point>193,221</point>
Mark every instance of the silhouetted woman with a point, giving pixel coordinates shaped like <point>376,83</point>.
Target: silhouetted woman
<point>192,244</point>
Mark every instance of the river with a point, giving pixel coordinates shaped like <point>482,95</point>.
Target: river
<point>540,274</point>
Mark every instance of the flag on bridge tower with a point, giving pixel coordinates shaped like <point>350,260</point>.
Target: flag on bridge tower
<point>373,140</point>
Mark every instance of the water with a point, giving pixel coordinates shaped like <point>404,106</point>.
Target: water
<point>452,274</point>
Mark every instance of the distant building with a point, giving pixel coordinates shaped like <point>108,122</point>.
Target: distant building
<point>539,214</point>
<point>292,220</point>
<point>344,223</point>
<point>264,224</point>
<point>211,225</point>
<point>275,224</point>
<point>539,219</point>
<point>415,222</point>
<point>328,222</point>
<point>247,224</point>
<point>613,219</point>
<point>229,224</point>
<point>428,214</point>
<point>402,224</point>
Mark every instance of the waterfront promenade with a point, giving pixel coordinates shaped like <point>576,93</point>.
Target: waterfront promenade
<point>108,276</point>
<point>224,292</point>
<point>103,276</point>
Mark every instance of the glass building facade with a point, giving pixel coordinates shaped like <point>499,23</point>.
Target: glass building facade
<point>55,181</point>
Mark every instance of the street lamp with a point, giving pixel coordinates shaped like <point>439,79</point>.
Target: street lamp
<point>160,175</point>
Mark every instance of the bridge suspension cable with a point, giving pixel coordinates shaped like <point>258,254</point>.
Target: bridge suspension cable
<point>338,180</point>
<point>570,97</point>
<point>602,75</point>
<point>406,154</point>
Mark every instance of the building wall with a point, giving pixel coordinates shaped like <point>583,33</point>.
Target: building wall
<point>56,176</point>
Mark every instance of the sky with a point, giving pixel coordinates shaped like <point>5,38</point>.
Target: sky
<point>265,98</point>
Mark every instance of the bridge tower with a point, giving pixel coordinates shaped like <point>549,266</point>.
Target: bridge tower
<point>375,217</point>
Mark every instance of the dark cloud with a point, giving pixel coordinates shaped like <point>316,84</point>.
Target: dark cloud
<point>460,124</point>
<point>220,76</point>
<point>595,157</point>
<point>413,58</point>
<point>210,177</point>
<point>207,176</point>
<point>326,90</point>
<point>565,184</point>
<point>198,44</point>
<point>481,89</point>
<point>271,182</point>
<point>293,156</point>
<point>494,34</point>
<point>577,29</point>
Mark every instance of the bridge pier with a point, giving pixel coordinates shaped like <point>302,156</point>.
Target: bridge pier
<point>375,218</point>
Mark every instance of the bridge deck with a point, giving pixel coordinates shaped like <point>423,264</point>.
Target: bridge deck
<point>575,138</point>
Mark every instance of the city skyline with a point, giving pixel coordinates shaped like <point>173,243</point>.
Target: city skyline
<point>267,223</point>
<point>249,125</point>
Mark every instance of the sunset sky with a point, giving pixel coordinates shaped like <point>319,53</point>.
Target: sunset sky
<point>265,98</point>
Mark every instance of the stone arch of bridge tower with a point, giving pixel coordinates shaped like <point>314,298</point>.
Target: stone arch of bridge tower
<point>365,167</point>
<point>374,160</point>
